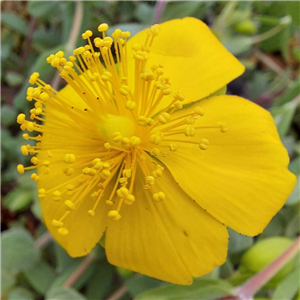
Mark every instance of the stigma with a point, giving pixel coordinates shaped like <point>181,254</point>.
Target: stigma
<point>109,129</point>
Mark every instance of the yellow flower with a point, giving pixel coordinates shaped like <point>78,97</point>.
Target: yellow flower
<point>125,149</point>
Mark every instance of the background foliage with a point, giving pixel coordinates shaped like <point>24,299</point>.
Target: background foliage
<point>264,35</point>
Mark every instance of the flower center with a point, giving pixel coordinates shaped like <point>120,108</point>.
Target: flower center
<point>115,129</point>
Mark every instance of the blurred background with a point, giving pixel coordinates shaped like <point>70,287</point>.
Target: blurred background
<point>264,35</point>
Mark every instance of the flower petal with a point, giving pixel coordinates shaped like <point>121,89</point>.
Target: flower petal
<point>84,231</point>
<point>171,240</point>
<point>196,63</point>
<point>242,178</point>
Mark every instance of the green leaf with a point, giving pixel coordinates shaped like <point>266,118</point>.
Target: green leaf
<point>42,9</point>
<point>18,199</point>
<point>283,116</point>
<point>8,280</point>
<point>21,293</point>
<point>61,293</point>
<point>70,269</point>
<point>40,276</point>
<point>291,93</point>
<point>204,289</point>
<point>139,284</point>
<point>18,250</point>
<point>180,9</point>
<point>99,285</point>
<point>144,12</point>
<point>238,242</point>
<point>8,115</point>
<point>14,78</point>
<point>294,197</point>
<point>237,45</point>
<point>294,166</point>
<point>14,22</point>
<point>288,287</point>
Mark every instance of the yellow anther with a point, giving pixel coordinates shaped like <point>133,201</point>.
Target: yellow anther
<point>155,139</point>
<point>159,71</point>
<point>164,118</point>
<point>141,120</point>
<point>21,169</point>
<point>95,194</point>
<point>91,212</point>
<point>150,180</point>
<point>96,161</point>
<point>108,202</point>
<point>102,27</point>
<point>106,165</point>
<point>189,120</point>
<point>157,197</point>
<point>172,147</point>
<point>131,105</point>
<point>149,121</point>
<point>179,97</point>
<point>107,42</point>
<point>203,144</point>
<point>136,47</point>
<point>114,215</point>
<point>69,205</point>
<point>87,34</point>
<point>24,150</point>
<point>63,231</point>
<point>125,34</point>
<point>123,181</point>
<point>34,160</point>
<point>35,177</point>
<point>30,126</point>
<point>223,127</point>
<point>166,91</point>
<point>33,78</point>
<point>199,111</point>
<point>107,146</point>
<point>189,131</point>
<point>69,158</point>
<point>178,105</point>
<point>126,173</point>
<point>55,62</point>
<point>129,200</point>
<point>57,223</point>
<point>56,195</point>
<point>155,152</point>
<point>135,141</point>
<point>117,136</point>
<point>69,171</point>
<point>41,193</point>
<point>155,29</point>
<point>46,163</point>
<point>60,54</point>
<point>21,118</point>
<point>106,76</point>
<point>157,173</point>
<point>122,192</point>
<point>116,34</point>
<point>105,174</point>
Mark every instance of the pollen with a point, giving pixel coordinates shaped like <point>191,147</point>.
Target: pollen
<point>112,128</point>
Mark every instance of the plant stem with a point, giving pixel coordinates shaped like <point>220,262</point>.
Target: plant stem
<point>248,289</point>
<point>159,10</point>
<point>118,293</point>
<point>80,270</point>
<point>43,240</point>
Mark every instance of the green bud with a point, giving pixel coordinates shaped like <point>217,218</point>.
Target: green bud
<point>124,273</point>
<point>246,27</point>
<point>263,253</point>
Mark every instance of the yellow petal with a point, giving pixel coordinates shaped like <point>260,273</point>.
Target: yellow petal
<point>242,178</point>
<point>84,231</point>
<point>172,240</point>
<point>196,63</point>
